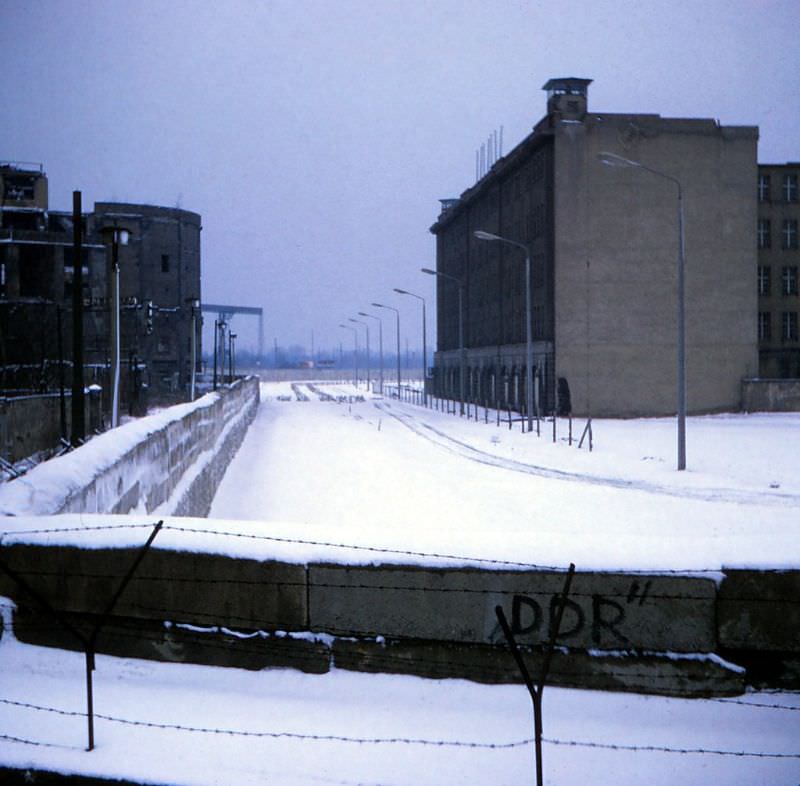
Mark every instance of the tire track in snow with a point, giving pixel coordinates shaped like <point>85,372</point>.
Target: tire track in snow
<point>463,449</point>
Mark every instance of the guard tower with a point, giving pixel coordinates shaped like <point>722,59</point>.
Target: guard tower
<point>567,97</point>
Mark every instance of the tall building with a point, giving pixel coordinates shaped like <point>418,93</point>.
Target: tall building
<point>603,245</point>
<point>36,277</point>
<point>778,263</point>
<point>159,280</point>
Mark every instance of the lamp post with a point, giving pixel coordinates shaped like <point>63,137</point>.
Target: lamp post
<point>380,341</point>
<point>397,314</point>
<point>481,235</point>
<point>355,351</point>
<point>78,394</point>
<point>359,322</point>
<point>462,349</point>
<point>613,160</point>
<point>117,236</point>
<point>424,344</point>
<point>194,305</point>
<point>231,363</point>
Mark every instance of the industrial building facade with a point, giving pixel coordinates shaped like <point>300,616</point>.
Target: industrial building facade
<point>603,245</point>
<point>159,281</point>
<point>778,267</point>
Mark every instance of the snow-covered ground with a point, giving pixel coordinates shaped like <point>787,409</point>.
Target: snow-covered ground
<point>399,476</point>
<point>291,729</point>
<point>385,475</point>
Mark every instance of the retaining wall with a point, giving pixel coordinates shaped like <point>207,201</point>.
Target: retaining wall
<point>670,634</point>
<point>771,395</point>
<point>176,462</point>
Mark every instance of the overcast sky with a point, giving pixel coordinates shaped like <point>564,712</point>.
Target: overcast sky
<point>316,136</point>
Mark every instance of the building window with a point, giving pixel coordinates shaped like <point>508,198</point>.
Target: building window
<point>790,188</point>
<point>764,233</point>
<point>789,280</point>
<point>165,263</point>
<point>764,280</point>
<point>789,233</point>
<point>789,326</point>
<point>764,326</point>
<point>763,188</point>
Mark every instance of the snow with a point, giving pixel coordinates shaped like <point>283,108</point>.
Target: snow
<point>354,706</point>
<point>380,481</point>
<point>46,487</point>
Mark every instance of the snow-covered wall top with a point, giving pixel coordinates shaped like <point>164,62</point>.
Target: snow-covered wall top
<point>140,466</point>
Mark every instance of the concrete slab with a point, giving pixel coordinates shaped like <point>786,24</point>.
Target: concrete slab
<point>760,610</point>
<point>610,611</point>
<point>205,589</point>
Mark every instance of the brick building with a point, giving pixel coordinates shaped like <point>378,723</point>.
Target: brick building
<point>603,244</point>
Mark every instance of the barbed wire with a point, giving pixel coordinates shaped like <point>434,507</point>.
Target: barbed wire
<point>401,740</point>
<point>684,572</point>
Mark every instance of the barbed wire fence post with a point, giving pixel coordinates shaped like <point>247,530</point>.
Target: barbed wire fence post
<point>537,690</point>
<point>88,642</point>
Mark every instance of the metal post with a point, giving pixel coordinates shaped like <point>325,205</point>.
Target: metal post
<point>681,337</point>
<point>397,315</point>
<point>366,326</point>
<point>528,342</point>
<point>115,342</point>
<point>536,691</point>
<point>194,352</point>
<point>424,343</point>
<point>62,405</point>
<point>380,341</point>
<point>355,352</point>
<point>614,160</point>
<point>216,334</point>
<point>78,430</point>
<point>481,235</point>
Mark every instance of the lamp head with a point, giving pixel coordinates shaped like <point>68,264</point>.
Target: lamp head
<point>481,235</point>
<point>612,159</point>
<point>428,271</point>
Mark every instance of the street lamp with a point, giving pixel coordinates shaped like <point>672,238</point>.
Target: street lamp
<point>462,349</point>
<point>117,236</point>
<point>397,314</point>
<point>355,352</point>
<point>231,362</point>
<point>613,160</point>
<point>380,340</point>
<point>359,322</point>
<point>194,305</point>
<point>424,344</point>
<point>481,235</point>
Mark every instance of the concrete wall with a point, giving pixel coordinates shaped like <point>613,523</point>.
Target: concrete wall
<point>649,633</point>
<point>148,475</point>
<point>172,461</point>
<point>771,395</point>
<point>30,424</point>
